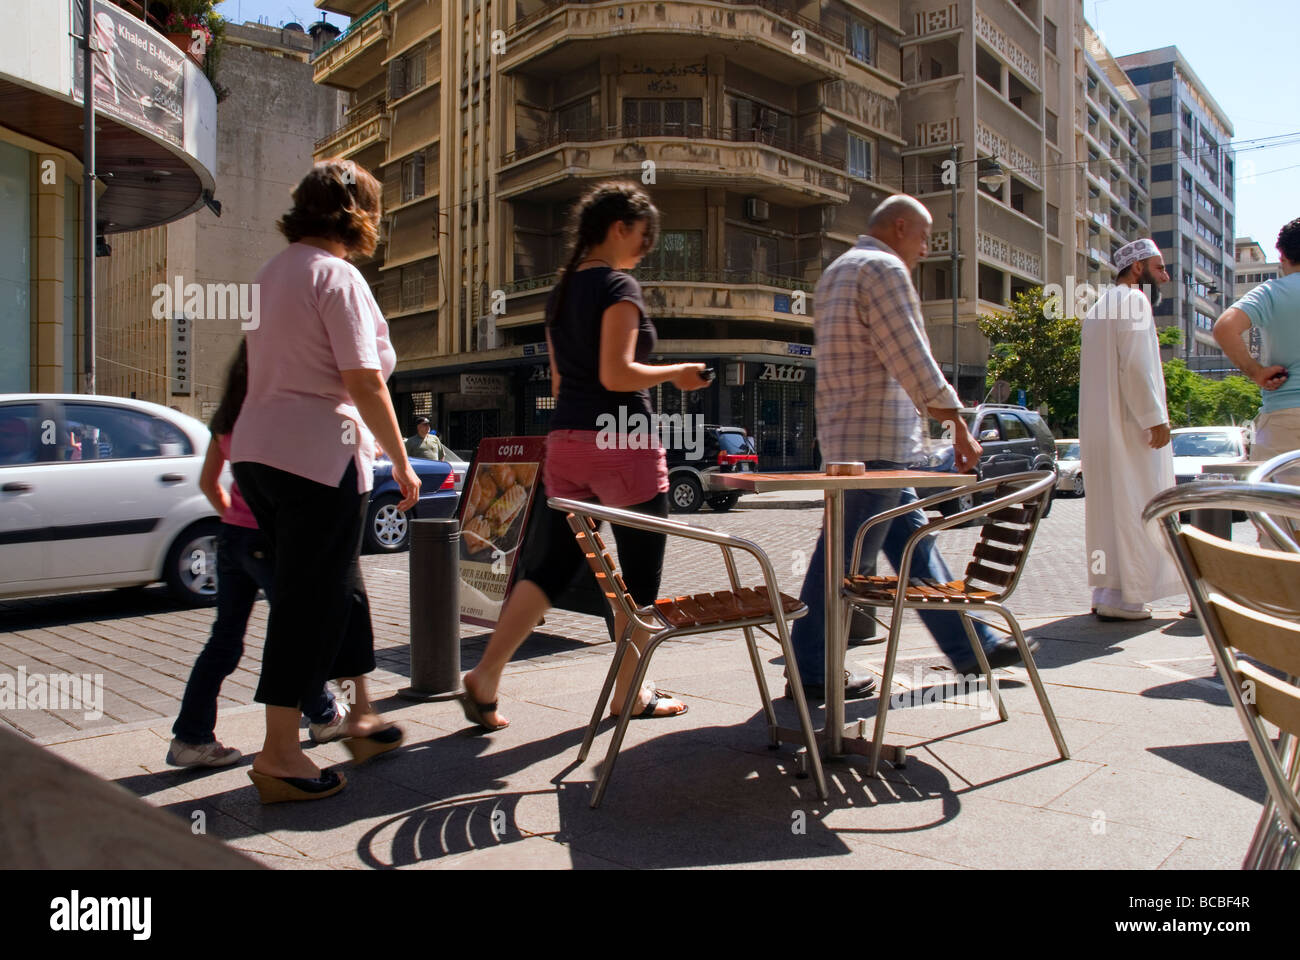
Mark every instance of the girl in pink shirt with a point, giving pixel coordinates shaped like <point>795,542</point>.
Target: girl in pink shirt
<point>243,567</point>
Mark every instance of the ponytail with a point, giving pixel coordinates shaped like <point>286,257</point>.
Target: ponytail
<point>592,216</point>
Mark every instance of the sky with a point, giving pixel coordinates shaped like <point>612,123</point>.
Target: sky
<point>1244,52</point>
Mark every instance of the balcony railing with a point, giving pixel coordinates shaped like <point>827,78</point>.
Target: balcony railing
<point>691,131</point>
<point>363,116</point>
<point>356,25</point>
<point>825,31</point>
<point>649,277</point>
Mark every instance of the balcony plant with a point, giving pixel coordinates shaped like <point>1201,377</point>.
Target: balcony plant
<point>182,19</point>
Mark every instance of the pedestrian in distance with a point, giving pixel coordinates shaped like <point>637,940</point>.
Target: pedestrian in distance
<point>243,567</point>
<point>424,443</point>
<point>599,338</point>
<point>1124,439</point>
<point>318,362</point>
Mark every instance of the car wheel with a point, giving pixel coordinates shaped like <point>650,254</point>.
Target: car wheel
<point>388,529</point>
<point>190,570</point>
<point>1078,484</point>
<point>724,502</point>
<point>685,495</point>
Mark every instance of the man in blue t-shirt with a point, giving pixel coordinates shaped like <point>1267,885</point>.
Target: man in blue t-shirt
<point>1274,308</point>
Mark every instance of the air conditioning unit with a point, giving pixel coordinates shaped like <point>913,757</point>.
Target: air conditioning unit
<point>755,209</point>
<point>487,332</point>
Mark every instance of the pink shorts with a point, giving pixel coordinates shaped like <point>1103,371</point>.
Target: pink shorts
<point>621,476</point>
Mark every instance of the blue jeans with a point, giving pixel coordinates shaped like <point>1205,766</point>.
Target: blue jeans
<point>243,566</point>
<point>809,633</point>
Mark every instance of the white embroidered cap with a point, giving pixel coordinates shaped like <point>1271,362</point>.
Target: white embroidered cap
<point>1132,252</point>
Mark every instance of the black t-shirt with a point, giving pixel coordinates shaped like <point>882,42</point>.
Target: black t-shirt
<point>575,338</point>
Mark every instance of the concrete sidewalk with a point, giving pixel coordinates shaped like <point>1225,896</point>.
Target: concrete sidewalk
<point>1160,775</point>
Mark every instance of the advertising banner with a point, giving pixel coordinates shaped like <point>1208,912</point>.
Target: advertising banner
<point>495,504</point>
<point>139,76</point>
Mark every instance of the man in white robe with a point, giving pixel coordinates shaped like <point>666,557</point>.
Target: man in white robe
<point>1124,440</point>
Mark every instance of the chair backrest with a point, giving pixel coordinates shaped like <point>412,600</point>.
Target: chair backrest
<point>1009,528</point>
<point>610,581</point>
<point>1285,533</point>
<point>1248,601</point>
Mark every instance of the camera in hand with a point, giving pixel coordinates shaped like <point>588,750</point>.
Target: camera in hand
<point>708,373</point>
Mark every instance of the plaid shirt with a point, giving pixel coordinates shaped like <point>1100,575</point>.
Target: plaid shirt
<point>874,368</point>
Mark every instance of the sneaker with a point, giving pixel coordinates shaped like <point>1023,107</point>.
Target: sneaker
<point>327,732</point>
<point>182,754</point>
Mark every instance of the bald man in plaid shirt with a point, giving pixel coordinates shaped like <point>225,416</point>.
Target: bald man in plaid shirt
<point>875,374</point>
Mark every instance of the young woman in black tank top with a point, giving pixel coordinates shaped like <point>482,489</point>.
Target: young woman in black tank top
<point>600,338</point>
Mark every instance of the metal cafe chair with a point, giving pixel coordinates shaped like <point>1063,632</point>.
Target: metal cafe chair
<point>1248,602</point>
<point>1010,520</point>
<point>1284,533</point>
<point>742,608</point>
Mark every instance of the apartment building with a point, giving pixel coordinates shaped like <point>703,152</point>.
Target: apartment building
<point>765,131</point>
<point>1025,83</point>
<point>1191,198</point>
<point>176,351</point>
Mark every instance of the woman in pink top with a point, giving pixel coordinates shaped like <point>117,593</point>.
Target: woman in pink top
<point>243,567</point>
<point>302,452</point>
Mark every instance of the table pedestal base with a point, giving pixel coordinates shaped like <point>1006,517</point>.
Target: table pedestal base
<point>853,740</point>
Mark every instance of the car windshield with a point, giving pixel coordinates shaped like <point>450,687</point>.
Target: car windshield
<point>732,442</point>
<point>1067,451</point>
<point>1214,445</point>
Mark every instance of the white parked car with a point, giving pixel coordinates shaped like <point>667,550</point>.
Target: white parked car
<point>100,491</point>
<point>1069,468</point>
<point>1198,449</point>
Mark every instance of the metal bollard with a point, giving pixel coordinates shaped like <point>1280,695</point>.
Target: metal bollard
<point>435,610</point>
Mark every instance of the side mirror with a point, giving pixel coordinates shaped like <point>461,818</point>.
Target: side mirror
<point>987,435</point>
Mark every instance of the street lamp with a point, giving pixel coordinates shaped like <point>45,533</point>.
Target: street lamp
<point>1210,290</point>
<point>992,177</point>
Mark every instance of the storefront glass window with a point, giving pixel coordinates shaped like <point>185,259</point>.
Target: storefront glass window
<point>15,270</point>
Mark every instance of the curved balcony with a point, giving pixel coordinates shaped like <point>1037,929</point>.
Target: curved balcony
<point>355,55</point>
<point>686,155</point>
<point>727,294</point>
<point>763,32</point>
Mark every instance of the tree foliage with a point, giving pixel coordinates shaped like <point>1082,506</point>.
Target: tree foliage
<point>1037,354</point>
<point>1197,401</point>
<point>1040,355</point>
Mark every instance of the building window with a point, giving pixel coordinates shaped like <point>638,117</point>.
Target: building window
<point>16,208</point>
<point>413,177</point>
<point>412,287</point>
<point>1161,139</point>
<point>1161,105</point>
<point>1049,35</point>
<point>1050,124</point>
<point>1053,221</point>
<point>422,404</point>
<point>859,157</point>
<point>406,74</point>
<point>859,41</point>
<point>574,118</point>
<point>663,118</point>
<point>1162,206</point>
<point>677,253</point>
<point>1161,171</point>
<point>756,121</point>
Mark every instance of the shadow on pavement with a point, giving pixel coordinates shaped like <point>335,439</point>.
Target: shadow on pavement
<point>1229,764</point>
<point>71,608</point>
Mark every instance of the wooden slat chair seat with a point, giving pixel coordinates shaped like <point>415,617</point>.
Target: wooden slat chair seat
<point>1010,518</point>
<point>1248,602</point>
<point>743,608</point>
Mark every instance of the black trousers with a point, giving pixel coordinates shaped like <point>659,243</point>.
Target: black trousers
<point>552,559</point>
<point>319,628</point>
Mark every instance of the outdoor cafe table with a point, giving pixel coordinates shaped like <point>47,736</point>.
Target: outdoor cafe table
<point>836,605</point>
